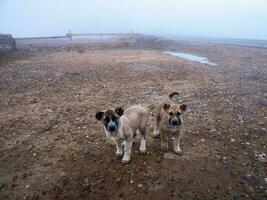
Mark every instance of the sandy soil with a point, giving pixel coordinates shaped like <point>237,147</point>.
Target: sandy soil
<point>51,146</point>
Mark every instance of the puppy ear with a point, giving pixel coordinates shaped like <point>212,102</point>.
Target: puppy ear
<point>183,107</point>
<point>119,110</point>
<point>166,106</point>
<point>99,115</point>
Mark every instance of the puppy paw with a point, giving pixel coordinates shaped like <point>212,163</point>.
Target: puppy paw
<point>155,133</point>
<point>119,154</point>
<point>142,150</point>
<point>123,143</point>
<point>125,160</point>
<point>178,152</point>
<point>164,147</point>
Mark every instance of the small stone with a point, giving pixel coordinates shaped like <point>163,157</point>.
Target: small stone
<point>262,158</point>
<point>140,185</point>
<point>265,180</point>
<point>242,175</point>
<point>119,179</point>
<point>225,161</point>
<point>86,151</point>
<point>169,156</point>
<point>131,181</point>
<point>232,140</point>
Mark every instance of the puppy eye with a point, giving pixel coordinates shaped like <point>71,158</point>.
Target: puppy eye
<point>106,119</point>
<point>171,113</point>
<point>114,118</point>
<point>178,113</point>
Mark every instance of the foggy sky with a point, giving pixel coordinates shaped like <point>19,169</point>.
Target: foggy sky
<point>214,18</point>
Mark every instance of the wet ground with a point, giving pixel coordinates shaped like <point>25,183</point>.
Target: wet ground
<point>51,146</point>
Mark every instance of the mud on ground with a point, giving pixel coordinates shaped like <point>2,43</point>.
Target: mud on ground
<point>51,146</point>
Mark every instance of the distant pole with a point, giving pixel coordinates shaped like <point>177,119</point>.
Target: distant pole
<point>131,35</point>
<point>70,36</point>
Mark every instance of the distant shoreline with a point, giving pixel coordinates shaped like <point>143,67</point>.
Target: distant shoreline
<point>227,41</point>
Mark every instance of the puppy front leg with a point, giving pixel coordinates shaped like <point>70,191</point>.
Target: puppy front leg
<point>176,143</point>
<point>119,151</point>
<point>156,132</point>
<point>142,147</point>
<point>127,150</point>
<point>164,141</point>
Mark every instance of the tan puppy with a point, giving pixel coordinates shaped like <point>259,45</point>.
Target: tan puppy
<point>169,123</point>
<point>121,126</point>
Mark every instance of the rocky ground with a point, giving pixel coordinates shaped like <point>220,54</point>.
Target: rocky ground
<point>52,147</point>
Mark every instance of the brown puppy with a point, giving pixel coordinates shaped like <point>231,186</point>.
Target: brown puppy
<point>169,123</point>
<point>121,126</point>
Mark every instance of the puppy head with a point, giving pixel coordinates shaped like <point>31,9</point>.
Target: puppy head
<point>174,113</point>
<point>110,118</point>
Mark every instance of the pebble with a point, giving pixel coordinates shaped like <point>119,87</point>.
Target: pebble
<point>169,156</point>
<point>119,179</point>
<point>265,180</point>
<point>262,158</point>
<point>232,140</point>
<point>86,151</point>
<point>140,185</point>
<point>225,161</point>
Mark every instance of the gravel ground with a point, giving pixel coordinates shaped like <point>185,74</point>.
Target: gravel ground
<point>52,147</point>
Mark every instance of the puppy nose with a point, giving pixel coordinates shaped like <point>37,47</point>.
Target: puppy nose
<point>175,122</point>
<point>112,126</point>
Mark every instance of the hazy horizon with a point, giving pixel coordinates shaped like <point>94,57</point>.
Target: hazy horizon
<point>243,19</point>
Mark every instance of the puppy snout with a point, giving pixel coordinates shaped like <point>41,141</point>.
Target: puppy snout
<point>112,126</point>
<point>175,121</point>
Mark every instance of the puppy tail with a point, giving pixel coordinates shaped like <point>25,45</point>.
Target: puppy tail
<point>150,107</point>
<point>174,94</point>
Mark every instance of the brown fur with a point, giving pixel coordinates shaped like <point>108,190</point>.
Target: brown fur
<point>166,111</point>
<point>133,119</point>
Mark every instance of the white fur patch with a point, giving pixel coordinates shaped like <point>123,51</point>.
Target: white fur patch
<point>142,147</point>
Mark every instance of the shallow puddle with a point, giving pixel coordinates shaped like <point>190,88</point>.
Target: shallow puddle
<point>191,57</point>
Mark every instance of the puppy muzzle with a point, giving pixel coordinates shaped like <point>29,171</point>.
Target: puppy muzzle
<point>112,126</point>
<point>175,121</point>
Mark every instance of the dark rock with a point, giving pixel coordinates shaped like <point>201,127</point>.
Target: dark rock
<point>86,151</point>
<point>7,43</point>
<point>119,179</point>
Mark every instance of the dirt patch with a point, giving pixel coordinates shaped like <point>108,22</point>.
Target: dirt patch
<point>53,148</point>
